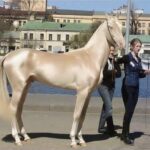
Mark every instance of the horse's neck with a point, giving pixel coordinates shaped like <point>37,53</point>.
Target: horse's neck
<point>98,41</point>
<point>98,46</point>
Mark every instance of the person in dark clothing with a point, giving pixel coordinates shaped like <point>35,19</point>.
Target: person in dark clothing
<point>130,86</point>
<point>124,92</point>
<point>106,91</point>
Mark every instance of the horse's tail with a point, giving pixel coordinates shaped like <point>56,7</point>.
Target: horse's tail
<point>5,111</point>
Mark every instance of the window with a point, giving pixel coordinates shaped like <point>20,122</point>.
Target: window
<point>50,37</point>
<point>25,36</point>
<point>123,23</point>
<point>67,48</point>
<point>139,31</point>
<point>143,31</point>
<point>143,24</point>
<point>50,48</point>
<point>147,45</point>
<point>31,36</point>
<point>20,23</point>
<point>139,24</point>
<point>146,51</point>
<point>58,37</point>
<point>41,36</point>
<point>25,46</point>
<point>30,46</point>
<point>41,46</point>
<point>67,37</point>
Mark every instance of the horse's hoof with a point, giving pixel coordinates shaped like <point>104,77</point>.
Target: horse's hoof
<point>18,143</point>
<point>74,145</point>
<point>27,139</point>
<point>83,144</point>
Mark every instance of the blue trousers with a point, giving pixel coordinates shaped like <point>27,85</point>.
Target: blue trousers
<point>107,94</point>
<point>130,101</point>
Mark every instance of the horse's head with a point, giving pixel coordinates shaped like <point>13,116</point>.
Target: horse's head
<point>114,34</point>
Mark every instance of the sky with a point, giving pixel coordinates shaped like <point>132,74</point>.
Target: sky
<point>99,5</point>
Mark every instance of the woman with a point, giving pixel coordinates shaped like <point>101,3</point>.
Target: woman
<point>106,91</point>
<point>130,88</point>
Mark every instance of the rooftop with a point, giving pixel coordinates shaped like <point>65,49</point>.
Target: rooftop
<point>53,26</point>
<point>69,12</point>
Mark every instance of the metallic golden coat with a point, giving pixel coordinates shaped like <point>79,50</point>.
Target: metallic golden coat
<point>80,69</point>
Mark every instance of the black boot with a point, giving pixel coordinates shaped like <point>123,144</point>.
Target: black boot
<point>102,120</point>
<point>110,127</point>
<point>125,134</point>
<point>126,139</point>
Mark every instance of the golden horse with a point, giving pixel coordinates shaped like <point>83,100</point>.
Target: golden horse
<point>81,69</point>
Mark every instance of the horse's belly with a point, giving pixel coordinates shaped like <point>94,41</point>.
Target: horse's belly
<point>57,80</point>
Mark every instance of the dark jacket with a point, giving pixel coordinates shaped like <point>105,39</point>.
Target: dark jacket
<point>110,75</point>
<point>133,69</point>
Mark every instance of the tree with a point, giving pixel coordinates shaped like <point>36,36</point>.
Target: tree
<point>134,24</point>
<point>5,25</point>
<point>26,5</point>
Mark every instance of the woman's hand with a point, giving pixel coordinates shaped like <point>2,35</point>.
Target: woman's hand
<point>147,71</point>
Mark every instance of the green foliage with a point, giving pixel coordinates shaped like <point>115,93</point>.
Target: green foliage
<point>5,25</point>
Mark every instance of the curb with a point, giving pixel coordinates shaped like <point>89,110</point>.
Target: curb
<point>66,103</point>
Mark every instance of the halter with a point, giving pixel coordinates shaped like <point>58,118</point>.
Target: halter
<point>111,34</point>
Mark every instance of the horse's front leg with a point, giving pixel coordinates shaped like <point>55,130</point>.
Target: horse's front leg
<point>80,137</point>
<point>80,103</point>
<point>81,140</point>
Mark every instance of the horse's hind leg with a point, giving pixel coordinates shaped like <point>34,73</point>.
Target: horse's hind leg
<point>80,137</point>
<point>19,116</point>
<point>80,102</point>
<point>14,105</point>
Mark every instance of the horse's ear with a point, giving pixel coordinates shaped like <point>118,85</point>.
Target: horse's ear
<point>109,19</point>
<point>110,23</point>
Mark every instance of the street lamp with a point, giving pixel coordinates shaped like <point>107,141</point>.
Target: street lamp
<point>128,27</point>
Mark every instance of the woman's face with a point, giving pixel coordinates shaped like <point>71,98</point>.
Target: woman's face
<point>111,53</point>
<point>136,48</point>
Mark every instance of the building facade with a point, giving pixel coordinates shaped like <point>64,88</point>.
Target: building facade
<point>41,11</point>
<point>49,36</point>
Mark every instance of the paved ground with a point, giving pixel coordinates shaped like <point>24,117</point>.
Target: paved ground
<point>48,120</point>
